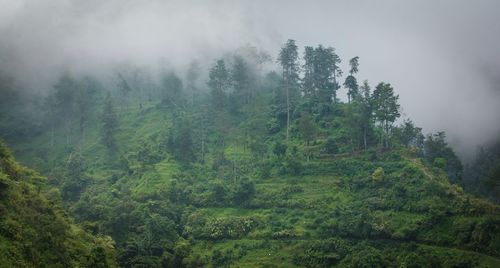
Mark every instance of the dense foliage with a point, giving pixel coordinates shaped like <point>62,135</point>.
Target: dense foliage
<point>253,168</point>
<point>35,231</point>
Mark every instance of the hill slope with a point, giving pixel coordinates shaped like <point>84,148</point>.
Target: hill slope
<point>258,169</point>
<point>383,207</point>
<point>35,231</point>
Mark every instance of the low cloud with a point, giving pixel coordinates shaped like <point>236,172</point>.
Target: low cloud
<point>441,56</point>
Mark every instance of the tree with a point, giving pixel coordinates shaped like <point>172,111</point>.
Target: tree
<point>51,115</point>
<point>308,89</point>
<point>409,135</point>
<point>242,80</point>
<point>183,142</point>
<point>86,95</point>
<point>350,82</point>
<point>98,258</point>
<point>366,112</point>
<point>171,90</point>
<point>201,129</point>
<point>109,124</point>
<point>330,146</point>
<point>75,179</point>
<point>192,76</point>
<point>326,72</point>
<point>279,149</point>
<point>491,183</point>
<point>354,122</point>
<point>64,100</point>
<point>435,147</point>
<point>483,173</point>
<point>124,88</point>
<point>243,191</point>
<point>288,59</point>
<point>307,127</point>
<point>219,83</point>
<point>386,109</point>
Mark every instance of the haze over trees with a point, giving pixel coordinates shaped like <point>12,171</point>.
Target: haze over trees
<point>241,161</point>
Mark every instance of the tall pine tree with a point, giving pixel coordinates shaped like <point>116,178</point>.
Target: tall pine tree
<point>288,59</point>
<point>350,82</point>
<point>219,83</point>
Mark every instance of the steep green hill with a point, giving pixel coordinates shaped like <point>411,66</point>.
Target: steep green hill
<point>382,207</point>
<point>35,231</point>
<point>257,170</point>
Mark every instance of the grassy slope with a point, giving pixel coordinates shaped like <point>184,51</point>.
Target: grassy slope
<point>413,209</point>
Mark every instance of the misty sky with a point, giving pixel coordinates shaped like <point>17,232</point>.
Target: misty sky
<point>442,57</point>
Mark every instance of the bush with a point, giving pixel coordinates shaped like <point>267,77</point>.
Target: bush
<point>378,175</point>
<point>330,146</point>
<point>279,149</point>
<point>439,162</point>
<point>233,227</point>
<point>292,166</point>
<point>243,191</point>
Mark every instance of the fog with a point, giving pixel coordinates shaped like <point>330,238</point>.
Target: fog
<point>441,56</point>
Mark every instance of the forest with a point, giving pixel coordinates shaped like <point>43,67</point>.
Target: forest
<point>237,164</point>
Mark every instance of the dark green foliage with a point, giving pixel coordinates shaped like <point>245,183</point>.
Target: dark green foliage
<point>243,191</point>
<point>308,87</point>
<point>279,149</point>
<point>172,94</point>
<point>75,179</point>
<point>109,124</point>
<point>65,96</point>
<point>86,97</point>
<point>330,146</point>
<point>409,135</point>
<point>437,152</point>
<point>20,113</point>
<point>98,258</point>
<point>307,127</point>
<point>123,86</point>
<point>483,174</point>
<point>219,83</point>
<point>242,79</point>
<point>192,77</point>
<point>350,81</point>
<point>325,253</point>
<point>366,113</point>
<point>386,109</point>
<point>34,231</point>
<point>492,181</point>
<point>181,141</point>
<point>244,171</point>
<point>325,72</point>
<point>288,59</point>
<point>367,257</point>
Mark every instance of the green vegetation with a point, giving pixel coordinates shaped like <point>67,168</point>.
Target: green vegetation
<point>252,170</point>
<point>35,231</point>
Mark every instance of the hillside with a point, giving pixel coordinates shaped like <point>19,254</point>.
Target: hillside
<point>275,211</point>
<point>255,169</point>
<point>35,231</point>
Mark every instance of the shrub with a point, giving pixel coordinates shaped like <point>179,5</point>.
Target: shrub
<point>378,175</point>
<point>439,162</point>
<point>330,146</point>
<point>279,149</point>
